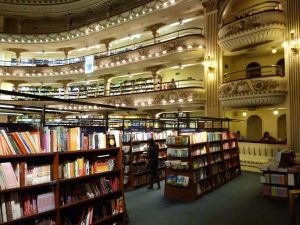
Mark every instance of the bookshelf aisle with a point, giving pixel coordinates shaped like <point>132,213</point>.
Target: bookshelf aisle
<point>60,176</point>
<point>200,162</point>
<point>135,146</point>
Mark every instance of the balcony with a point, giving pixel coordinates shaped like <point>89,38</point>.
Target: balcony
<point>248,88</point>
<point>187,42</point>
<point>247,29</point>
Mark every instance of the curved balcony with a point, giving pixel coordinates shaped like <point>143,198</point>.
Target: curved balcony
<point>189,40</point>
<point>245,89</point>
<point>261,24</point>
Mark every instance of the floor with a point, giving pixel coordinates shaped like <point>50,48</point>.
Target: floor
<point>236,203</point>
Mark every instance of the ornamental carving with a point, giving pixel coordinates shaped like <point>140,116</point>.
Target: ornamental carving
<point>242,25</point>
<point>249,92</point>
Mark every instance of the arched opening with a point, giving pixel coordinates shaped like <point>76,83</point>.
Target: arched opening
<point>253,70</point>
<point>254,128</point>
<point>281,127</point>
<point>280,69</point>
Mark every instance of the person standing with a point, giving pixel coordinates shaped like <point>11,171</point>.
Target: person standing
<point>153,162</point>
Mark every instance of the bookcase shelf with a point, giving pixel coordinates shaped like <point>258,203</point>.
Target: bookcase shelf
<point>33,186</point>
<point>135,149</point>
<point>278,182</point>
<point>205,165</point>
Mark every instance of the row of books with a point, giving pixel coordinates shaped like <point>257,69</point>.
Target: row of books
<point>217,168</point>
<point>177,180</point>
<point>177,164</point>
<point>60,138</point>
<point>178,152</point>
<point>142,147</point>
<point>201,174</point>
<point>19,143</point>
<point>199,151</point>
<point>281,192</point>
<point>13,175</point>
<point>203,186</point>
<point>96,212</point>
<point>93,188</point>
<point>85,166</point>
<point>14,205</point>
<point>200,162</point>
<point>214,148</point>
<point>215,158</point>
<point>144,136</point>
<point>274,179</point>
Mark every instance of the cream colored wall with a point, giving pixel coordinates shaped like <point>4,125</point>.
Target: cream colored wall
<point>195,71</point>
<point>269,120</point>
<point>240,63</point>
<point>6,86</point>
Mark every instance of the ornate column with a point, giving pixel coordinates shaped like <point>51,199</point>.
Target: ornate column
<point>65,86</point>
<point>107,81</point>
<point>212,60</point>
<point>18,52</point>
<point>66,51</point>
<point>154,28</point>
<point>157,81</point>
<point>107,42</point>
<point>292,68</point>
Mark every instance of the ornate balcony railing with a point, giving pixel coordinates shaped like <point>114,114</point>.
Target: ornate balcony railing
<point>264,23</point>
<point>248,88</point>
<point>114,51</point>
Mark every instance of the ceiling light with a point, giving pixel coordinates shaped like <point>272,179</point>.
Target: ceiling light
<point>180,48</point>
<point>275,112</point>
<point>244,114</point>
<point>274,50</point>
<point>7,106</point>
<point>180,100</point>
<point>172,101</point>
<point>190,99</point>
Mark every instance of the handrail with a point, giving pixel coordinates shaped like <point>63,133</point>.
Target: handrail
<point>122,49</point>
<point>83,91</point>
<point>255,9</point>
<point>273,70</point>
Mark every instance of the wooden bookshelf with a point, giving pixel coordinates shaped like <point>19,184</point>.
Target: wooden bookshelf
<point>55,159</point>
<point>138,174</point>
<point>194,169</point>
<point>278,182</point>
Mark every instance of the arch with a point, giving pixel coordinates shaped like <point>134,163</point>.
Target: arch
<point>254,128</point>
<point>280,70</point>
<point>281,127</point>
<point>253,70</point>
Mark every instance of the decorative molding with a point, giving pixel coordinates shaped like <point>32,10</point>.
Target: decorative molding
<point>210,5</point>
<point>252,31</point>
<point>262,91</point>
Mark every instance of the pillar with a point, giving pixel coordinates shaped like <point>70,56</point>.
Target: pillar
<point>157,79</point>
<point>212,60</point>
<point>292,68</point>
<point>66,51</point>
<point>18,52</point>
<point>154,28</point>
<point>107,42</point>
<point>65,87</point>
<point>107,82</point>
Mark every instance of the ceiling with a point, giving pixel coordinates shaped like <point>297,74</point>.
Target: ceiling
<point>58,15</point>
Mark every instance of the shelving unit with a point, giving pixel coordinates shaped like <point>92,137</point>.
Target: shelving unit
<point>89,186</point>
<point>199,163</point>
<point>278,181</point>
<point>135,146</point>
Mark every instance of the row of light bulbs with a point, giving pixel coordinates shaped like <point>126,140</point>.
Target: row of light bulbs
<point>80,107</point>
<point>163,101</point>
<point>89,30</point>
<point>107,65</point>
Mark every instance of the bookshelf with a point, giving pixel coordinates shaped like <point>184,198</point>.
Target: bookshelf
<point>135,147</point>
<point>62,175</point>
<point>278,181</point>
<point>200,162</point>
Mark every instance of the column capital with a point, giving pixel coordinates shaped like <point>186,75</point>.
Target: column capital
<point>154,69</point>
<point>65,50</point>
<point>65,82</point>
<point>17,51</point>
<point>106,42</point>
<point>16,82</point>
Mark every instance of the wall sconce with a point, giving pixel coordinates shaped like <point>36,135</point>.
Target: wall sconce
<point>294,44</point>
<point>210,64</point>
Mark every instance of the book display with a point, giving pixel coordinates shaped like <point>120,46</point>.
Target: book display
<point>200,162</point>
<point>47,176</point>
<point>135,147</point>
<point>140,85</point>
<point>280,176</point>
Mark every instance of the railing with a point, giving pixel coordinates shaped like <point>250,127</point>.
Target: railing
<point>114,51</point>
<point>255,72</point>
<point>81,92</point>
<point>254,9</point>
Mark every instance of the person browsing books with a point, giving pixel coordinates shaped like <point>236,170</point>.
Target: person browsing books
<point>152,161</point>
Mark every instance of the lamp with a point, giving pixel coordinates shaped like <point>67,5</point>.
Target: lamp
<point>294,44</point>
<point>210,64</point>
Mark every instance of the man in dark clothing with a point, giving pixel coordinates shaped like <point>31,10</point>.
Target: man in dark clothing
<point>153,163</point>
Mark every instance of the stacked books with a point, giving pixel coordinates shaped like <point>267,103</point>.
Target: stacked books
<point>178,180</point>
<point>178,152</point>
<point>19,143</point>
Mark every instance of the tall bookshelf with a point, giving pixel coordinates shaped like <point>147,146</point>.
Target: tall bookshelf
<point>199,163</point>
<point>135,146</point>
<point>60,176</point>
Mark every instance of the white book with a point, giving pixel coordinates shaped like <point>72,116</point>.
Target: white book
<point>291,179</point>
<point>3,208</point>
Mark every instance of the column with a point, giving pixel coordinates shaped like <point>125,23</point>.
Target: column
<point>107,81</point>
<point>212,60</point>
<point>66,51</point>
<point>157,80</point>
<point>154,28</point>
<point>65,86</point>
<point>292,68</point>
<point>107,42</point>
<point>18,52</point>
